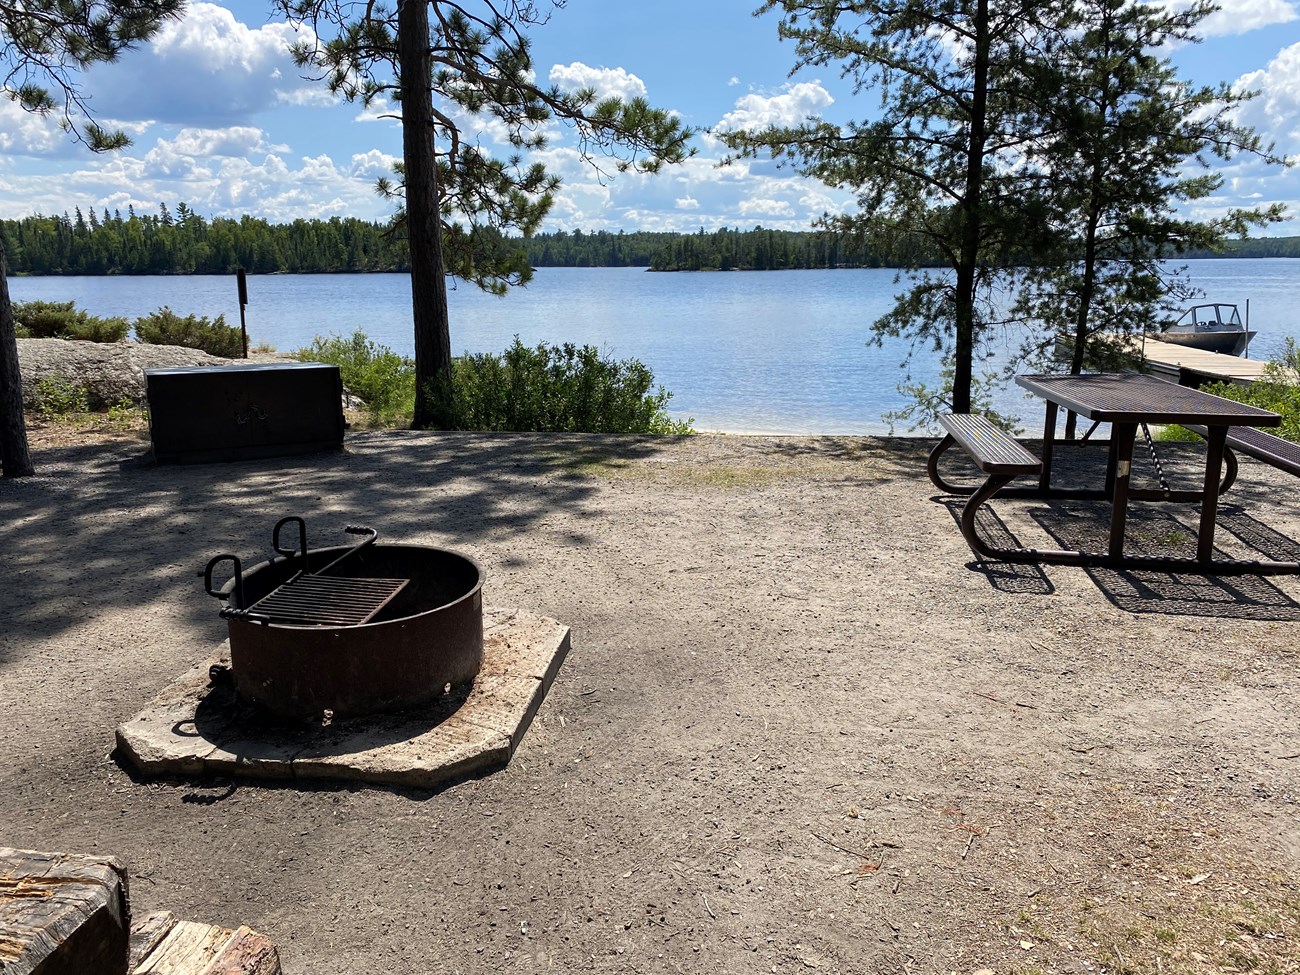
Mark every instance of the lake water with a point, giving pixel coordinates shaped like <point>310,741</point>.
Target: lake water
<point>772,351</point>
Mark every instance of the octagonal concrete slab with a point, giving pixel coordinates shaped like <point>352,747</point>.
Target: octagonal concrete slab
<point>195,727</point>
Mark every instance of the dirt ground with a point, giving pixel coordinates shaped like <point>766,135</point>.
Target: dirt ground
<point>799,728</point>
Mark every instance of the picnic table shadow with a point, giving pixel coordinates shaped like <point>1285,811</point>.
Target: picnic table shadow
<point>1167,530</point>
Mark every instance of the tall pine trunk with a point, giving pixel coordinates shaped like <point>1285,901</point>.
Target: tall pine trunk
<point>972,219</point>
<point>15,458</point>
<point>423,220</point>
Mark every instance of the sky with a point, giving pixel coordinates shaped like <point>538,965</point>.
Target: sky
<point>223,121</point>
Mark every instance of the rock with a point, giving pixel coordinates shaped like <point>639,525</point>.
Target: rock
<point>110,371</point>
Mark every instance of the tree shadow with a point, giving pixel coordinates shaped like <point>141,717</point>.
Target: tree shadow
<point>99,529</point>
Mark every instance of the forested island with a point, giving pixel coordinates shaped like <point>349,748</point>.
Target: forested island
<point>184,242</point>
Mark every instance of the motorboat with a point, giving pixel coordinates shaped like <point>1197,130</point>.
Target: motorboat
<point>1213,327</point>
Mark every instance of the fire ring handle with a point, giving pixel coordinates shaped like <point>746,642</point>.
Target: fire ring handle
<point>302,538</point>
<point>239,579</point>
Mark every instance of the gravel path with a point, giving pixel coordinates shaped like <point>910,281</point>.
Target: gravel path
<point>799,729</point>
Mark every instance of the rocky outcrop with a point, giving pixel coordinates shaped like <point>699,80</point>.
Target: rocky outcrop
<point>109,372</point>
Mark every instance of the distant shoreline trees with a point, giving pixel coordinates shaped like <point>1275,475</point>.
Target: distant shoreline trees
<point>182,242</point>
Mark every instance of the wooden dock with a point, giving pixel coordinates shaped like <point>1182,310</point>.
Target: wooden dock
<point>1191,367</point>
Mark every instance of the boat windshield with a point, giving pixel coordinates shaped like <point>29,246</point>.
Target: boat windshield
<point>1209,316</point>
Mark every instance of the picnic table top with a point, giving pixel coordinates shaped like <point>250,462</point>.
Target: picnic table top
<point>1136,398</point>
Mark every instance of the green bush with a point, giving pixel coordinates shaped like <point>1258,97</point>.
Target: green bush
<point>546,389</point>
<point>63,320</point>
<point>559,389</point>
<point>57,396</point>
<point>377,374</point>
<point>215,337</point>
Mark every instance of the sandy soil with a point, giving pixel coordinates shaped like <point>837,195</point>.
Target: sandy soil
<point>799,728</point>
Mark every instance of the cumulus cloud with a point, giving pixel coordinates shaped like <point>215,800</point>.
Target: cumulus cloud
<point>687,203</point>
<point>237,140</point>
<point>1275,112</point>
<point>23,132</point>
<point>606,82</point>
<point>1240,16</point>
<point>206,69</point>
<point>765,208</point>
<point>372,165</point>
<point>794,104</point>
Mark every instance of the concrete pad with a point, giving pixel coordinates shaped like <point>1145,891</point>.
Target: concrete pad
<point>197,728</point>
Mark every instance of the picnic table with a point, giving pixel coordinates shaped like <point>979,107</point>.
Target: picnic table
<point>1125,401</point>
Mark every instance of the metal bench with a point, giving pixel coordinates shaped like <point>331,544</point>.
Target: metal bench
<point>996,453</point>
<point>1253,442</point>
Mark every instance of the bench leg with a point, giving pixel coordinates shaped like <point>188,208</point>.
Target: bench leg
<point>970,510</point>
<point>932,468</point>
<point>1230,461</point>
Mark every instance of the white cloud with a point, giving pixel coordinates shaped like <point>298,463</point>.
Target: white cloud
<point>237,140</point>
<point>1275,112</point>
<point>794,104</point>
<point>766,208</point>
<point>687,203</point>
<point>606,82</point>
<point>23,132</point>
<point>206,69</point>
<point>379,110</point>
<point>372,165</point>
<point>733,81</point>
<point>1240,16</point>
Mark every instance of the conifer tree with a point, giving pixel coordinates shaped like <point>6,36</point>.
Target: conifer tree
<point>43,43</point>
<point>441,61</point>
<point>934,171</point>
<point>1127,144</point>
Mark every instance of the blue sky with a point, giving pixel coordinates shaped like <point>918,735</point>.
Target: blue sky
<point>222,120</point>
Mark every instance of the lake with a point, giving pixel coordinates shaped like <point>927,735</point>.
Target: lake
<point>761,351</point>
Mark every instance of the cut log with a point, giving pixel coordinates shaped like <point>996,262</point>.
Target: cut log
<point>166,946</point>
<point>62,914</point>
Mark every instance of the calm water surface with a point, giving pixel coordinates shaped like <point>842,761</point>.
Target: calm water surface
<point>778,351</point>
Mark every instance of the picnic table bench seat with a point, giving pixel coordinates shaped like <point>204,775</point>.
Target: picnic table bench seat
<point>992,449</point>
<point>1254,442</point>
<point>997,454</point>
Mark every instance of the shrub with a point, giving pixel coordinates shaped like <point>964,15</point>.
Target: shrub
<point>63,320</point>
<point>377,374</point>
<point>215,337</point>
<point>559,389</point>
<point>57,396</point>
<point>124,415</point>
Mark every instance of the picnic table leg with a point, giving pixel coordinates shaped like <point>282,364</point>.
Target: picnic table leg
<point>1118,471</point>
<point>1214,439</point>
<point>1049,436</point>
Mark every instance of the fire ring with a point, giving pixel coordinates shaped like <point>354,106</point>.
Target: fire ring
<point>352,630</point>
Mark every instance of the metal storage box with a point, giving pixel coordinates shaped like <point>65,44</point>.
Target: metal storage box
<point>243,412</point>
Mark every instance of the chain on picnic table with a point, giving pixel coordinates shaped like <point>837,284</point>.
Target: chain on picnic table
<point>1155,459</point>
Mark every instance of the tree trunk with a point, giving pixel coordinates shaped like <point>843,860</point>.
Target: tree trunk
<point>423,219</point>
<point>972,213</point>
<point>15,458</point>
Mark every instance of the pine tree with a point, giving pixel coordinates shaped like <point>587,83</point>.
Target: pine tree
<point>42,44</point>
<point>440,60</point>
<point>933,171</point>
<point>1127,147</point>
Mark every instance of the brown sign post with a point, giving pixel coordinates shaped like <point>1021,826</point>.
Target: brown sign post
<point>243,300</point>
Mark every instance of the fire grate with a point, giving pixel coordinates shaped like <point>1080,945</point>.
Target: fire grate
<point>316,600</point>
